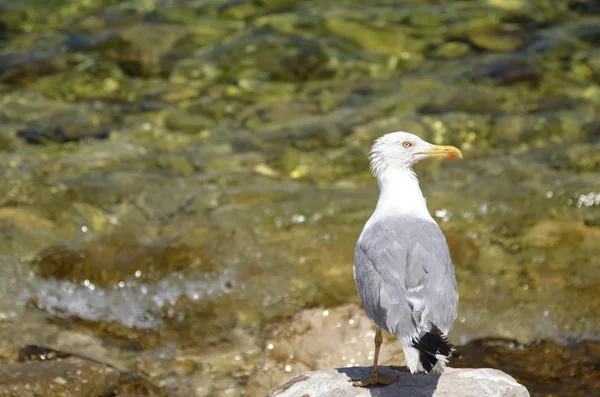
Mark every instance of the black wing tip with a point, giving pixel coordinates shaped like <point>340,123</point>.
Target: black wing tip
<point>432,345</point>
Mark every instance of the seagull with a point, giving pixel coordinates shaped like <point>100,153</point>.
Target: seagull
<point>402,266</point>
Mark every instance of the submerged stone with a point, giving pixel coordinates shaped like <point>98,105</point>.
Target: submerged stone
<point>451,49</point>
<point>593,60</point>
<point>106,265</point>
<point>145,46</point>
<point>501,38</point>
<point>71,377</point>
<point>384,41</point>
<point>101,79</point>
<point>507,71</point>
<point>134,383</point>
<point>66,127</point>
<point>544,367</point>
<point>137,384</point>
<point>298,59</point>
<point>188,121</point>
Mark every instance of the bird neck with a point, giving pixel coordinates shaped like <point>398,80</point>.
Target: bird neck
<point>399,193</point>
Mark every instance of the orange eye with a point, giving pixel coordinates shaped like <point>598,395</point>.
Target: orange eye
<point>407,144</point>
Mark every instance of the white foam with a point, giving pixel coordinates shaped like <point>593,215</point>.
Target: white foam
<point>132,303</point>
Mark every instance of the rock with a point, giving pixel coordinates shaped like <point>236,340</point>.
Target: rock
<point>72,377</point>
<point>24,67</point>
<point>128,383</point>
<point>8,139</point>
<point>580,157</point>
<point>465,382</point>
<point>65,127</point>
<point>102,79</point>
<point>503,38</point>
<point>238,10</point>
<point>186,121</point>
<point>465,99</point>
<point>114,333</point>
<point>383,41</point>
<point>319,339</point>
<point>451,50</point>
<point>133,384</point>
<point>106,265</point>
<point>25,230</point>
<point>586,29</point>
<point>144,48</point>
<point>593,60</point>
<point>507,71</point>
<point>298,59</point>
<point>321,167</point>
<point>523,362</point>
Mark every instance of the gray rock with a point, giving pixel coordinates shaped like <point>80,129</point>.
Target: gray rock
<point>464,382</point>
<point>72,377</point>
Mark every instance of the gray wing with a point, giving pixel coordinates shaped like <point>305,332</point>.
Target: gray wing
<point>405,278</point>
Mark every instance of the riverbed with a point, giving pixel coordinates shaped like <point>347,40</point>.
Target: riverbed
<point>180,176</point>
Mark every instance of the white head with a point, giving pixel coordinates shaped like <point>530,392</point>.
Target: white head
<point>400,150</point>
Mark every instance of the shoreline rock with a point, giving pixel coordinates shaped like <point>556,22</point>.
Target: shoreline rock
<point>464,382</point>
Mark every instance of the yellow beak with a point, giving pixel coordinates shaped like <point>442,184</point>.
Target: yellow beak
<point>450,152</point>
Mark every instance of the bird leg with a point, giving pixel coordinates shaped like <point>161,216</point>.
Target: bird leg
<point>375,378</point>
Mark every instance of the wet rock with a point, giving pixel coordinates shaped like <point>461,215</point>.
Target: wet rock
<point>113,333</point>
<point>321,167</point>
<point>26,108</point>
<point>543,366</point>
<point>507,71</point>
<point>69,377</point>
<point>319,339</point>
<point>201,322</point>
<point>484,382</point>
<point>144,48</point>
<point>278,3</point>
<point>457,128</point>
<point>216,370</point>
<point>297,59</point>
<point>451,50</point>
<point>24,217</point>
<point>136,384</point>
<point>25,67</point>
<point>552,236</point>
<point>238,9</point>
<point>586,29</point>
<point>100,79</point>
<point>465,99</point>
<point>8,139</point>
<point>580,158</point>
<point>23,229</point>
<point>186,121</point>
<point>384,41</point>
<point>547,285</point>
<point>501,38</point>
<point>593,60</point>
<point>284,112</point>
<point>106,265</point>
<point>65,127</point>
<point>197,71</point>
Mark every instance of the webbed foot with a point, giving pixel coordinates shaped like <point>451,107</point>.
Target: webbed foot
<point>375,380</point>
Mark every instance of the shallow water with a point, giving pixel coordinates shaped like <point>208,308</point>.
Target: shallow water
<point>179,174</point>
